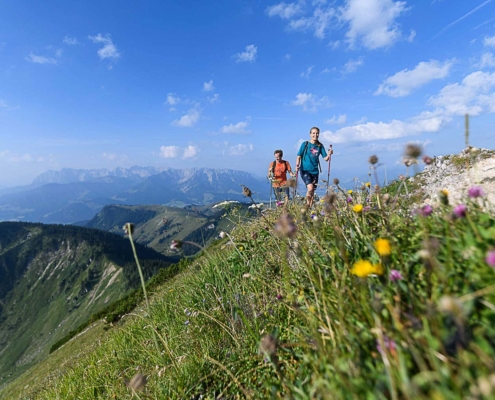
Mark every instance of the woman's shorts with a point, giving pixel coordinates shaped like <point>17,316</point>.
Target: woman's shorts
<point>309,178</point>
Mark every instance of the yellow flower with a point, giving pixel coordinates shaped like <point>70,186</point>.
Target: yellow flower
<point>349,191</point>
<point>358,208</point>
<point>445,192</point>
<point>383,247</point>
<point>367,184</point>
<point>364,268</point>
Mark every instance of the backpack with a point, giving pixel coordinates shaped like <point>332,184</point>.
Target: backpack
<point>306,148</point>
<point>275,163</point>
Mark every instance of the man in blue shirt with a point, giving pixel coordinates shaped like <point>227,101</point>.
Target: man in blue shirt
<point>308,161</point>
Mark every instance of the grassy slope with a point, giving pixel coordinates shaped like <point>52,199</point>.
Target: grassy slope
<point>429,334</point>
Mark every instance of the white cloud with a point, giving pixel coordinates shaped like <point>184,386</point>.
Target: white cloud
<point>190,152</point>
<point>489,41</point>
<point>249,55</point>
<point>412,35</point>
<point>341,119</point>
<point>239,128</point>
<point>351,66</point>
<point>40,59</point>
<point>172,99</point>
<point>487,60</point>
<point>169,151</point>
<point>108,50</point>
<point>240,149</point>
<point>109,156</point>
<point>307,73</point>
<point>310,102</point>
<point>13,157</point>
<point>404,82</point>
<point>284,10</point>
<point>214,98</point>
<point>472,96</point>
<point>188,119</point>
<point>372,22</point>
<point>208,86</point>
<point>70,41</point>
<point>318,22</point>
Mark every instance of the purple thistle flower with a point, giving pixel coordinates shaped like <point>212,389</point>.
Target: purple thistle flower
<point>424,211</point>
<point>476,191</point>
<point>280,203</point>
<point>460,211</point>
<point>389,345</point>
<point>490,258</point>
<point>427,160</point>
<point>395,275</point>
<point>367,208</point>
<point>349,199</point>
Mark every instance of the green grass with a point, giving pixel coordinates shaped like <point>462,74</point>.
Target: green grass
<point>276,311</point>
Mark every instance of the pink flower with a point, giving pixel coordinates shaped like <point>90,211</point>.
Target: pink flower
<point>424,211</point>
<point>490,258</point>
<point>389,345</point>
<point>395,275</point>
<point>475,191</point>
<point>367,208</point>
<point>280,203</point>
<point>460,211</point>
<point>349,199</point>
<point>427,160</point>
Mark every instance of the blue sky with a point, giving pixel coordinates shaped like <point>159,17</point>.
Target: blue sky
<point>224,83</point>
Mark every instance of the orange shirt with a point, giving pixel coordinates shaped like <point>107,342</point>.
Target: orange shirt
<point>280,173</point>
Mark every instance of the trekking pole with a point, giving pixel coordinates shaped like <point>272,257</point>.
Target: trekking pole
<point>270,182</point>
<point>330,151</point>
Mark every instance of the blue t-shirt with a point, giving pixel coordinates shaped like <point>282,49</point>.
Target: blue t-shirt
<point>309,161</point>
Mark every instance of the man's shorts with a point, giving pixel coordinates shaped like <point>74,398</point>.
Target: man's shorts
<point>309,178</point>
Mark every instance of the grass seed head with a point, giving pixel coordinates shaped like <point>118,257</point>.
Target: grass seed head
<point>246,191</point>
<point>412,151</point>
<point>128,228</point>
<point>373,160</point>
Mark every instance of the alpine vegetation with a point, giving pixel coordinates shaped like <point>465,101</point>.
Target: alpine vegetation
<point>372,292</point>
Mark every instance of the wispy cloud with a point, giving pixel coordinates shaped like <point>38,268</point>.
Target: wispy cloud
<point>307,73</point>
<point>70,41</point>
<point>489,41</point>
<point>214,98</point>
<point>337,120</point>
<point>189,119</point>
<point>404,82</point>
<point>172,99</point>
<point>208,86</point>
<point>239,129</point>
<point>461,18</point>
<point>351,66</point>
<point>169,151</point>
<point>109,156</point>
<point>109,50</point>
<point>40,59</point>
<point>240,149</point>
<point>249,55</point>
<point>309,102</point>
<point>487,60</point>
<point>373,22</point>
<point>284,10</point>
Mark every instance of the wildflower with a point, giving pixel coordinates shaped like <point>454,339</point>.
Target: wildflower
<point>280,203</point>
<point>366,209</point>
<point>247,192</point>
<point>412,151</point>
<point>490,258</point>
<point>383,247</point>
<point>128,228</point>
<point>427,160</point>
<point>373,160</point>
<point>336,181</point>
<point>357,208</point>
<point>475,191</point>
<point>313,216</point>
<point>186,323</point>
<point>395,275</point>
<point>444,197</point>
<point>349,191</point>
<point>291,183</point>
<point>424,211</point>
<point>386,198</point>
<point>176,244</point>
<point>285,226</point>
<point>460,211</point>
<point>389,344</point>
<point>349,199</point>
<point>269,345</point>
<point>222,234</point>
<point>367,184</point>
<point>363,268</point>
<point>137,382</point>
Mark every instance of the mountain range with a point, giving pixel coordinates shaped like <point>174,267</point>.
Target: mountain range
<point>74,195</point>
